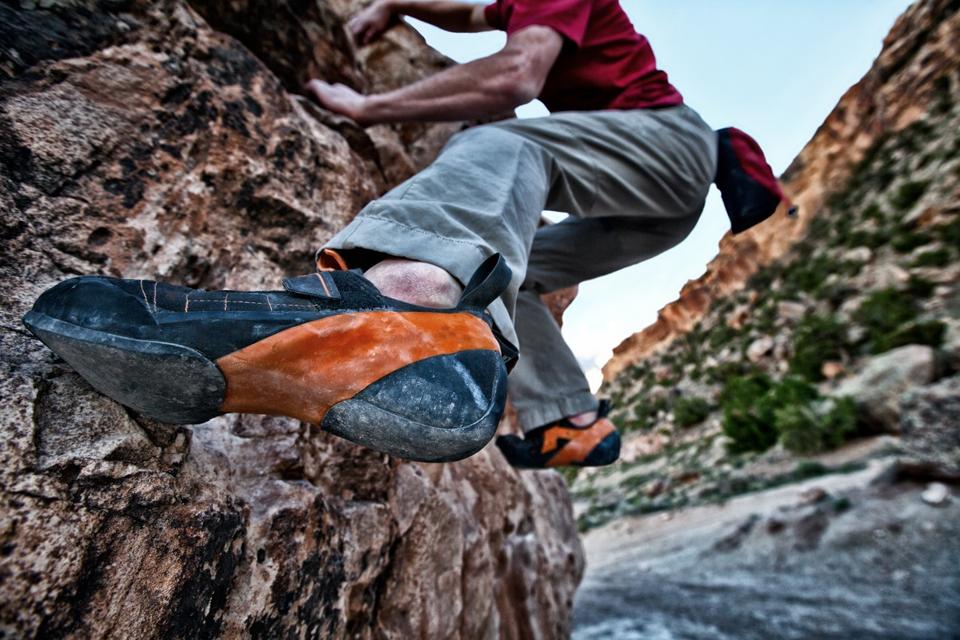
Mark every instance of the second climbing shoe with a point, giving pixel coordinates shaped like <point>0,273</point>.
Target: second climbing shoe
<point>563,444</point>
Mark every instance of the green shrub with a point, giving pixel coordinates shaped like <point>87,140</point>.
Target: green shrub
<point>906,241</point>
<point>690,411</point>
<point>721,335</point>
<point>927,333</point>
<point>859,238</point>
<point>646,415</point>
<point>883,312</point>
<point>817,339</point>
<point>933,258</point>
<point>920,288</point>
<point>813,427</point>
<point>842,504</point>
<point>807,469</point>
<point>807,276</point>
<point>873,212</point>
<point>744,422</point>
<point>722,373</point>
<point>908,194</point>
<point>950,233</point>
<point>880,238</point>
<point>758,411</point>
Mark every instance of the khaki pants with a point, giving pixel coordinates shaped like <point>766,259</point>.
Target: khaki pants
<point>634,183</point>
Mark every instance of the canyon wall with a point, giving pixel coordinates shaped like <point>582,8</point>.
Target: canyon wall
<point>922,47</point>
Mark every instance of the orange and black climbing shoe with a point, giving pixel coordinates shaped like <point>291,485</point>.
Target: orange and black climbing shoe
<point>414,382</point>
<point>562,444</point>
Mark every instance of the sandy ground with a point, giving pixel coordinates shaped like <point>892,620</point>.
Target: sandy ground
<point>869,560</point>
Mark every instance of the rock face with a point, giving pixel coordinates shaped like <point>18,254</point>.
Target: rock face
<point>877,389</point>
<point>930,423</point>
<point>922,48</point>
<point>848,333</point>
<point>160,140</point>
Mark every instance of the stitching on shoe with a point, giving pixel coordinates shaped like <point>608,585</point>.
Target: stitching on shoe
<point>259,304</point>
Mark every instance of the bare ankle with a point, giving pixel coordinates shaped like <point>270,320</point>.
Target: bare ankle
<point>583,419</point>
<point>419,283</point>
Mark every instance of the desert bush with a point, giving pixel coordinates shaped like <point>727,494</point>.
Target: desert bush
<point>882,313</point>
<point>873,212</point>
<point>905,241</point>
<point>816,426</point>
<point>908,194</point>
<point>919,287</point>
<point>933,258</point>
<point>950,233</point>
<point>646,415</point>
<point>928,333</point>
<point>721,335</point>
<point>745,420</point>
<point>690,411</point>
<point>757,412</point>
<point>818,339</point>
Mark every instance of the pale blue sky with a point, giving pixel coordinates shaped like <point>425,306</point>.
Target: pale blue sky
<point>775,69</point>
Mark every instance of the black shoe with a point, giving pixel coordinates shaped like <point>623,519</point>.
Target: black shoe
<point>417,383</point>
<point>563,444</point>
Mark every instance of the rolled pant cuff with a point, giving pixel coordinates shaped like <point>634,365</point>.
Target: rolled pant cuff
<point>459,258</point>
<point>543,413</point>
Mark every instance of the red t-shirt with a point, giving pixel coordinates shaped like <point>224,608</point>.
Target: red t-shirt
<point>604,64</point>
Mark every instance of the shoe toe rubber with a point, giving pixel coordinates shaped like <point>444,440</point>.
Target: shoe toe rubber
<point>439,409</point>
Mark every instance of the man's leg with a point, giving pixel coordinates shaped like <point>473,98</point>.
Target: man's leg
<point>548,384</point>
<point>485,192</point>
<point>483,195</point>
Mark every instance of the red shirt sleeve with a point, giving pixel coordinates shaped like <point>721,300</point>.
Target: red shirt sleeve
<point>569,18</point>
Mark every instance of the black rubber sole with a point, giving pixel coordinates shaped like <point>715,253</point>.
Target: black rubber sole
<point>179,385</point>
<point>168,382</point>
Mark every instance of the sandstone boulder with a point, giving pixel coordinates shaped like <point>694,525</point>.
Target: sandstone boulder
<point>879,385</point>
<point>137,140</point>
<point>930,423</point>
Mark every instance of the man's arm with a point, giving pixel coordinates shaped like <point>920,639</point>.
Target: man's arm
<point>451,15</point>
<point>486,87</point>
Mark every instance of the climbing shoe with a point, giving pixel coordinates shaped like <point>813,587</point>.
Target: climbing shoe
<point>563,444</point>
<point>414,382</point>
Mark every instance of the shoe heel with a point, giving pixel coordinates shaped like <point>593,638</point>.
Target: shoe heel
<point>440,409</point>
<point>167,382</point>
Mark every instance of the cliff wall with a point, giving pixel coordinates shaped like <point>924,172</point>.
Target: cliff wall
<point>922,48</point>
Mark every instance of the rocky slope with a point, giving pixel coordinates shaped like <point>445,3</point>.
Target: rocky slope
<point>161,140</point>
<point>852,331</point>
<point>921,50</point>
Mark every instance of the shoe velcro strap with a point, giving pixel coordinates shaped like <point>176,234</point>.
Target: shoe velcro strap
<point>314,285</point>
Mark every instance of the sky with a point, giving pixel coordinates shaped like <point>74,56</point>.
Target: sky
<point>773,69</point>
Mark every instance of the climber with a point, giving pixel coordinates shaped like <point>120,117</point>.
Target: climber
<point>403,338</point>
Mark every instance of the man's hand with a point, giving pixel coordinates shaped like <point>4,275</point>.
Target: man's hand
<point>338,98</point>
<point>372,22</point>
